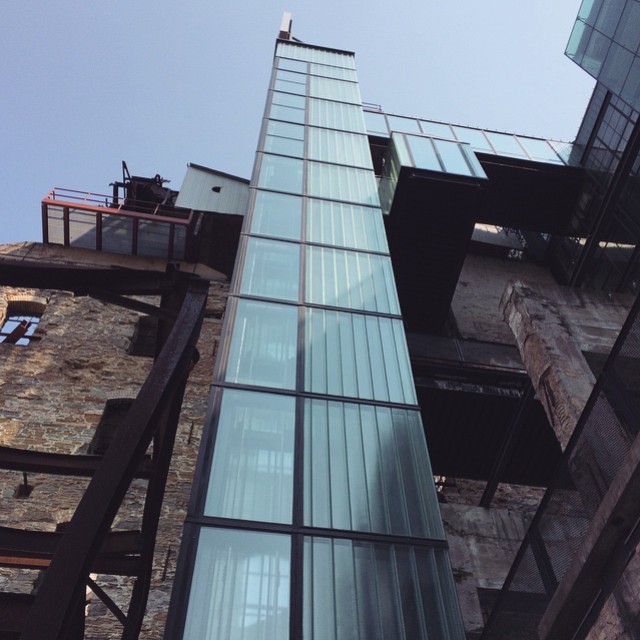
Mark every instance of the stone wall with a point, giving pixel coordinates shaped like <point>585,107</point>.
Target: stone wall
<point>52,394</point>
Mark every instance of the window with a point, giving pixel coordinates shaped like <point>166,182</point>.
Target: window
<point>113,415</point>
<point>143,342</point>
<point>20,322</point>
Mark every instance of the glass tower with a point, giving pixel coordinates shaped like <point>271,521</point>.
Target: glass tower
<point>314,513</point>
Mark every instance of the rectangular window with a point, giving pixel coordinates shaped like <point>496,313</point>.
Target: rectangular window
<point>331,89</point>
<point>345,225</point>
<point>281,174</point>
<point>240,586</point>
<point>367,469</point>
<point>339,146</point>
<point>264,345</point>
<point>271,269</point>
<point>357,356</point>
<point>336,115</point>
<point>277,214</point>
<point>376,124</point>
<point>342,183</point>
<point>333,72</point>
<point>252,469</point>
<point>143,341</point>
<point>364,590</point>
<point>21,319</point>
<point>351,280</point>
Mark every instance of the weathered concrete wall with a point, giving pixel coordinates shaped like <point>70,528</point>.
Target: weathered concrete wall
<point>593,318</point>
<point>52,394</point>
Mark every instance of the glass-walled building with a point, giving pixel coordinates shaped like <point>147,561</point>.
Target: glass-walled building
<point>315,514</point>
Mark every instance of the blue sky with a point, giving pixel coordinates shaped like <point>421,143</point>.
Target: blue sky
<point>160,84</point>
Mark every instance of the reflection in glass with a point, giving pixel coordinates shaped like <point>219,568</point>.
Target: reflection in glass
<point>376,123</point>
<point>342,183</point>
<point>252,469</point>
<point>361,590</point>
<point>505,144</point>
<point>358,356</point>
<point>277,214</point>
<point>281,174</point>
<point>240,587</point>
<point>367,469</point>
<point>263,345</point>
<point>336,115</point>
<point>405,125</point>
<point>331,89</point>
<point>351,280</point>
<point>339,146</point>
<point>436,129</point>
<point>345,225</point>
<point>271,269</point>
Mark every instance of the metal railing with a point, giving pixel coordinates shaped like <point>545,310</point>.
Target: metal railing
<point>103,223</point>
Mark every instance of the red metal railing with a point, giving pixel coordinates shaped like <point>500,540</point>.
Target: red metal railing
<point>96,221</point>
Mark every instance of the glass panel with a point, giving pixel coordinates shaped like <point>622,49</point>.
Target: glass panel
<point>340,147</point>
<point>616,67</point>
<point>628,32</point>
<point>609,16</point>
<point>287,113</point>
<point>336,115</point>
<point>345,225</point>
<point>376,123</point>
<point>331,89</point>
<point>362,590</point>
<point>351,280</point>
<point>595,52</point>
<point>505,144</point>
<point>281,174</point>
<point>578,41</point>
<point>342,183</point>
<point>287,100</point>
<point>285,146</point>
<point>285,129</point>
<point>290,87</point>
<point>240,586</point>
<point>405,125</point>
<point>436,129</point>
<point>424,155</point>
<point>291,65</point>
<point>311,54</point>
<point>333,72</point>
<point>271,269</point>
<point>252,469</point>
<point>153,238</point>
<point>452,157</point>
<point>117,233</point>
<point>82,229</point>
<point>367,469</point>
<point>540,150</point>
<point>474,137</point>
<point>263,345</point>
<point>275,214</point>
<point>359,356</point>
<point>290,76</point>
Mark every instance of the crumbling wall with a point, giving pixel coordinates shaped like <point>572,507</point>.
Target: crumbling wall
<point>52,394</point>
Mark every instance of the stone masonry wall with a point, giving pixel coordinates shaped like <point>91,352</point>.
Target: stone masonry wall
<point>52,394</point>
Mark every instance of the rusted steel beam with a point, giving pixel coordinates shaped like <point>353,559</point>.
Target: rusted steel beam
<point>60,595</point>
<point>58,463</point>
<point>82,281</point>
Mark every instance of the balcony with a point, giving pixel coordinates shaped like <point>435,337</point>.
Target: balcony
<point>118,225</point>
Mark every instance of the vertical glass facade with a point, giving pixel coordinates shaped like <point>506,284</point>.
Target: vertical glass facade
<point>605,42</point>
<point>316,515</point>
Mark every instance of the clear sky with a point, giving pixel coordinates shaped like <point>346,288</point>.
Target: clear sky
<point>160,84</point>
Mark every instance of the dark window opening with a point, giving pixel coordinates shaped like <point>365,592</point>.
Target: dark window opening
<point>112,417</point>
<point>143,342</point>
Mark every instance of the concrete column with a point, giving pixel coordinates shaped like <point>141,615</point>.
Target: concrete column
<point>559,372</point>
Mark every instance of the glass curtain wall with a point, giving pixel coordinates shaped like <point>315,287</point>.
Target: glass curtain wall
<point>315,514</point>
